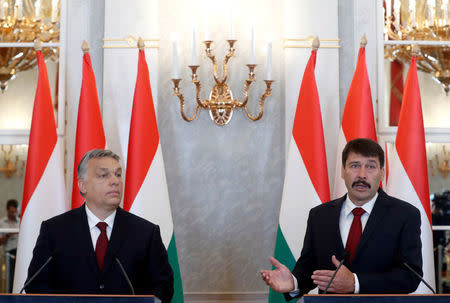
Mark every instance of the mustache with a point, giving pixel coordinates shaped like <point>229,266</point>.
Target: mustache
<point>361,182</point>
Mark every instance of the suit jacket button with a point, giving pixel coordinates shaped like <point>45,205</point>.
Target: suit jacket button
<point>102,286</point>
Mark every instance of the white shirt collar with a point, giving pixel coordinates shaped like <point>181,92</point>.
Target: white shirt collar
<point>93,219</point>
<point>368,206</point>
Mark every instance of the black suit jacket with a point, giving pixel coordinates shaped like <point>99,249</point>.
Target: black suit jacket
<point>390,237</point>
<point>134,241</point>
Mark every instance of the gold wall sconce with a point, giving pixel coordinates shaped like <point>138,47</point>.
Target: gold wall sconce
<point>440,167</point>
<point>221,102</point>
<point>12,167</point>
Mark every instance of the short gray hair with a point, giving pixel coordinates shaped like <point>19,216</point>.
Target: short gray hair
<point>93,154</point>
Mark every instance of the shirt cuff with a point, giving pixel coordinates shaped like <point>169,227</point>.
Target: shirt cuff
<point>356,284</point>
<point>296,291</point>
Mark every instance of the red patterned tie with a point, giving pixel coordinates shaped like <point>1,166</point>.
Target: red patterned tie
<point>102,244</point>
<point>355,232</point>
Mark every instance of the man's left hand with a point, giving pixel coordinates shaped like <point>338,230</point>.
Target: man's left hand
<point>344,281</point>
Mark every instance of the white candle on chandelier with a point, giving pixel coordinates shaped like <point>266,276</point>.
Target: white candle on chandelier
<point>397,13</point>
<point>194,47</point>
<point>231,24</point>
<point>207,28</point>
<point>412,11</point>
<point>431,5</point>
<point>388,8</point>
<point>445,9</point>
<point>19,4</point>
<point>269,59</point>
<point>2,9</point>
<point>54,10</point>
<point>37,7</point>
<point>175,68</point>
<point>252,45</point>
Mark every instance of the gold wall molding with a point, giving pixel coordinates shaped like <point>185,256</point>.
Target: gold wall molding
<point>307,42</point>
<point>129,42</point>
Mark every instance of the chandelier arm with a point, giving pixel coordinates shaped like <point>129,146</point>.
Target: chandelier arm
<point>176,92</point>
<point>248,82</point>
<point>197,94</point>
<point>181,98</point>
<point>231,52</point>
<point>197,85</point>
<point>211,56</point>
<point>431,63</point>
<point>391,33</point>
<point>267,93</point>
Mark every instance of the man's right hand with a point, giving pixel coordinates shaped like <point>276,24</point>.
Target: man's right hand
<point>280,279</point>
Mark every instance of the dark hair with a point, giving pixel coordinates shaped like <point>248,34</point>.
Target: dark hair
<point>12,203</point>
<point>364,147</point>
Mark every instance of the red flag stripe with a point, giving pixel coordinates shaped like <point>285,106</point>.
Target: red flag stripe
<point>308,131</point>
<point>410,141</point>
<point>43,135</point>
<point>144,138</point>
<point>90,134</point>
<point>358,120</point>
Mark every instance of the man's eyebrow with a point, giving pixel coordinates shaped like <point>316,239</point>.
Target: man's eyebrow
<point>107,169</point>
<point>353,162</point>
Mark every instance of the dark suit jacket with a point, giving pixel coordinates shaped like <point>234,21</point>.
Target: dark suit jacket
<point>390,237</point>
<point>134,241</point>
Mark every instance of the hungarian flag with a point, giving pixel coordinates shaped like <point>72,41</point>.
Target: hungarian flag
<point>358,120</point>
<point>90,134</point>
<point>306,182</point>
<point>146,193</point>
<point>408,172</point>
<point>396,92</point>
<point>44,190</point>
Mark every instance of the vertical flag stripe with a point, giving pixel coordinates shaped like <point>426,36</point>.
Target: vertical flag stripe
<point>408,173</point>
<point>43,122</point>
<point>284,255</point>
<point>144,138</point>
<point>311,143</point>
<point>412,135</point>
<point>358,120</point>
<point>90,134</point>
<point>306,182</point>
<point>44,189</point>
<point>146,193</point>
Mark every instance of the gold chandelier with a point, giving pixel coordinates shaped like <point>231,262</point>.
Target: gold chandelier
<point>421,22</point>
<point>21,23</point>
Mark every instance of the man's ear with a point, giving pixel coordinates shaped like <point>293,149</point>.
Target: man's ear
<point>82,186</point>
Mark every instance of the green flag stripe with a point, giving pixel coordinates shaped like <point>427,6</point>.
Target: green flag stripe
<point>284,255</point>
<point>173,260</point>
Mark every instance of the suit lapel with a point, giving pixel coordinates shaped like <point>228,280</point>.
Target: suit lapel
<point>336,214</point>
<point>378,212</point>
<point>86,240</point>
<point>118,235</point>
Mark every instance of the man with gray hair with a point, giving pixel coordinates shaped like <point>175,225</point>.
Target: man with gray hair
<point>99,248</point>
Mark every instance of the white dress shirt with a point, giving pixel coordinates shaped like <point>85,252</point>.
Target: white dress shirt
<point>345,222</point>
<point>94,230</point>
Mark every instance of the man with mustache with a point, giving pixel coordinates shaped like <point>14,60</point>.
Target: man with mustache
<point>375,234</point>
<point>87,246</point>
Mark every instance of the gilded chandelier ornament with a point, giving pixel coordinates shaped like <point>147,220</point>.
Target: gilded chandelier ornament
<point>425,23</point>
<point>221,102</point>
<point>24,21</point>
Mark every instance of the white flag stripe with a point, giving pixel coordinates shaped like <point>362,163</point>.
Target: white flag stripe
<point>400,186</point>
<point>297,200</point>
<point>48,200</point>
<point>339,188</point>
<point>151,201</point>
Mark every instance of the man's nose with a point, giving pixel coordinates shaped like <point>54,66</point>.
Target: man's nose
<point>362,173</point>
<point>114,180</point>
